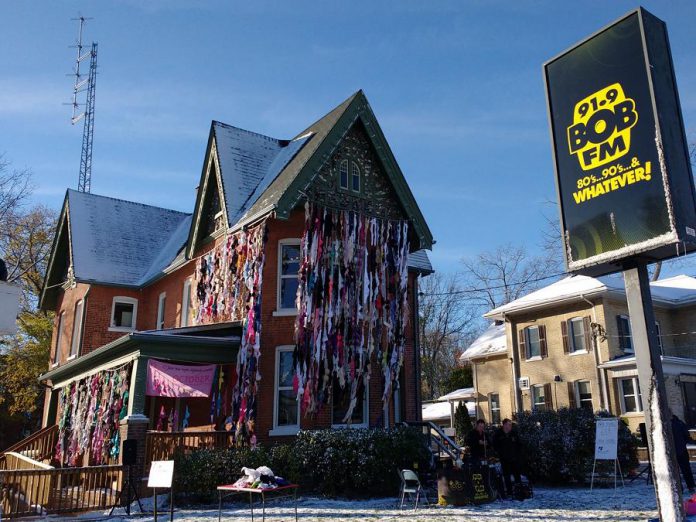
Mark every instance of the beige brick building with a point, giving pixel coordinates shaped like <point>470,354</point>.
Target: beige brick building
<point>569,345</point>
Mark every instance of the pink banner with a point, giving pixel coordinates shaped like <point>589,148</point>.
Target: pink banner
<point>176,380</point>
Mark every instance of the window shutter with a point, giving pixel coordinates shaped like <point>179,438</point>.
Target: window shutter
<point>521,342</point>
<point>622,332</point>
<point>547,396</point>
<point>564,334</point>
<point>542,341</point>
<point>588,333</point>
<point>572,403</point>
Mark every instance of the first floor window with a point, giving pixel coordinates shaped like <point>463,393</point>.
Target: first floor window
<point>160,310</point>
<point>494,403</point>
<point>185,303</point>
<point>77,328</point>
<point>123,313</point>
<point>539,397</point>
<point>287,409</point>
<point>584,395</point>
<point>533,341</point>
<point>59,338</point>
<point>341,402</point>
<point>629,392</point>
<point>288,268</point>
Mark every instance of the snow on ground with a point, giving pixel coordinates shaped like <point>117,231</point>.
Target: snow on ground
<point>634,502</point>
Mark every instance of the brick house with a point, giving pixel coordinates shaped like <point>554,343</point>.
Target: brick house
<point>569,345</point>
<point>228,285</point>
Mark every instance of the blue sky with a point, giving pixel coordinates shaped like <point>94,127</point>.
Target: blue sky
<point>456,86</point>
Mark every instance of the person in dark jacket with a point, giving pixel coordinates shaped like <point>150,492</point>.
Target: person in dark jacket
<point>478,443</point>
<point>681,436</point>
<point>507,444</point>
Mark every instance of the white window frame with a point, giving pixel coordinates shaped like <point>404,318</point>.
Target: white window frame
<point>161,303</point>
<point>492,409</point>
<point>366,410</point>
<point>284,311</point>
<point>658,333</point>
<point>528,344</point>
<point>630,334</point>
<point>535,397</point>
<point>59,339</point>
<point>287,429</point>
<point>125,300</point>
<point>636,394</point>
<point>76,339</point>
<point>578,401</point>
<point>353,167</point>
<point>340,167</point>
<point>572,349</point>
<point>185,303</point>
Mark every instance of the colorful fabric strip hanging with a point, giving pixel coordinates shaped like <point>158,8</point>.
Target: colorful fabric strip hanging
<point>353,304</point>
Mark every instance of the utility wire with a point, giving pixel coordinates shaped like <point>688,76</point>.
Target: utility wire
<point>498,287</point>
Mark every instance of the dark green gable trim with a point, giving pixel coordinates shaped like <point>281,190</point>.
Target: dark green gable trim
<point>59,261</point>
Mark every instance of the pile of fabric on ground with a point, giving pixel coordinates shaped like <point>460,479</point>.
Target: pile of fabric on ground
<point>260,478</point>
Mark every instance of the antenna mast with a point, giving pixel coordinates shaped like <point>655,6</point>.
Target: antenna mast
<point>85,83</point>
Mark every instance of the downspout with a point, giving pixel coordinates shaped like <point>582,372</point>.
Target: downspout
<point>598,359</point>
<point>416,352</point>
<point>514,362</point>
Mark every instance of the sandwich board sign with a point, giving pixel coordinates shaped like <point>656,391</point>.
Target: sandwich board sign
<point>161,473</point>
<point>606,439</point>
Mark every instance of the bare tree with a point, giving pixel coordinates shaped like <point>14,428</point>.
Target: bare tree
<point>446,325</point>
<point>15,188</point>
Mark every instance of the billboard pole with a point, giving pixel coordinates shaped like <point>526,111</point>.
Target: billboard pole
<point>658,423</point>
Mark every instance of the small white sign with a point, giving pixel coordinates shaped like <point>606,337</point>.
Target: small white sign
<point>161,473</point>
<point>606,438</point>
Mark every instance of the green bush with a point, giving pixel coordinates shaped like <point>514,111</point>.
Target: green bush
<point>462,423</point>
<point>559,445</point>
<point>337,462</point>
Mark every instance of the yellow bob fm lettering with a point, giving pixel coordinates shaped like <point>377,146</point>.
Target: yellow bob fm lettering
<point>601,129</point>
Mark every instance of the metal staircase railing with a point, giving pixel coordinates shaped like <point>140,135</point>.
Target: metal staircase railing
<point>440,441</point>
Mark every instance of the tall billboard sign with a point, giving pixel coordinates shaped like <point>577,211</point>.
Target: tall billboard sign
<point>625,188</point>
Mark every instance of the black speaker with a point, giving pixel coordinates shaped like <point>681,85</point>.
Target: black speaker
<point>130,452</point>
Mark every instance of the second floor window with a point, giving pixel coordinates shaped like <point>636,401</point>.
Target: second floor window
<point>288,268</point>
<point>123,313</point>
<point>623,325</point>
<point>162,301</point>
<point>532,341</point>
<point>343,174</point>
<point>576,334</point>
<point>355,177</point>
<point>185,303</point>
<point>77,329</point>
<point>59,339</point>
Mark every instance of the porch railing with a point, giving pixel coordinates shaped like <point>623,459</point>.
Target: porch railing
<point>161,445</point>
<point>38,492</point>
<point>38,446</point>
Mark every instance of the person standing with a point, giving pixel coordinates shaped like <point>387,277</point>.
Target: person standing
<point>507,444</point>
<point>681,438</point>
<point>477,440</point>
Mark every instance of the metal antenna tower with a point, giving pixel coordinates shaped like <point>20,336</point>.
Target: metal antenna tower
<point>84,83</point>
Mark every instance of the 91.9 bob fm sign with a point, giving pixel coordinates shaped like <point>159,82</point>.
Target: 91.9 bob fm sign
<point>625,189</point>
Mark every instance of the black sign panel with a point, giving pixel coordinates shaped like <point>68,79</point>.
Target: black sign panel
<point>619,148</point>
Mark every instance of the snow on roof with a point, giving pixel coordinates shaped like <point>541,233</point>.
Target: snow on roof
<point>461,393</point>
<point>442,410</point>
<point>674,291</point>
<point>491,342</point>
<point>249,162</point>
<point>121,242</point>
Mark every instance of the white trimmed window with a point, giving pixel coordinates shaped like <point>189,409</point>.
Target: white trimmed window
<point>185,303</point>
<point>355,177</point>
<point>533,341</point>
<point>629,393</point>
<point>161,303</point>
<point>583,395</point>
<point>576,335</point>
<point>623,324</point>
<point>286,408</point>
<point>539,397</point>
<point>343,175</point>
<point>658,332</point>
<point>494,404</point>
<point>340,402</point>
<point>124,312</point>
<point>77,329</point>
<point>288,269</point>
<point>59,339</point>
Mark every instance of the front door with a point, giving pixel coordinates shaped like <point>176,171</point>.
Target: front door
<point>690,403</point>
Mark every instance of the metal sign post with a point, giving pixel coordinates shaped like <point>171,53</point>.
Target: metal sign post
<point>665,472</point>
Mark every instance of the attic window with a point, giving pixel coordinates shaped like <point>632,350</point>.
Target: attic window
<point>124,311</point>
<point>343,174</point>
<point>355,178</point>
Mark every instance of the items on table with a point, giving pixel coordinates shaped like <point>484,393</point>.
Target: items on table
<point>259,478</point>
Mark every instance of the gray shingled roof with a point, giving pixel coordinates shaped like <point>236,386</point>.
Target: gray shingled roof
<point>121,242</point>
<point>420,261</point>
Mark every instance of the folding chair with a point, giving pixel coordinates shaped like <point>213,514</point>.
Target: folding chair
<point>411,484</point>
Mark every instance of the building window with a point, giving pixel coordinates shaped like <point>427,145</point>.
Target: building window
<point>355,177</point>
<point>185,303</point>
<point>624,326</point>
<point>577,335</point>
<point>288,268</point>
<point>658,332</point>
<point>629,392</point>
<point>343,174</point>
<point>59,339</point>
<point>286,412</point>
<point>123,313</point>
<point>539,397</point>
<point>160,310</point>
<point>583,392</point>
<point>533,341</point>
<point>340,401</point>
<point>494,404</point>
<point>77,329</point>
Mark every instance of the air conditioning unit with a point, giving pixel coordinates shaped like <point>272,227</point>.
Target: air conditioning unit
<point>523,383</point>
